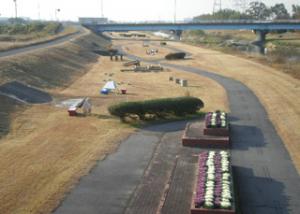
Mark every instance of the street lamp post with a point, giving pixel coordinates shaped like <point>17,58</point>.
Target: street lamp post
<point>39,11</point>
<point>102,13</point>
<point>16,9</point>
<point>56,12</point>
<point>175,7</point>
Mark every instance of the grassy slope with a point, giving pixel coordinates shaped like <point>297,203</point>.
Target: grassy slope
<point>47,68</point>
<point>50,68</point>
<point>54,67</point>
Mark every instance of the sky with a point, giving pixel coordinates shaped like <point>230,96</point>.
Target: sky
<point>118,10</point>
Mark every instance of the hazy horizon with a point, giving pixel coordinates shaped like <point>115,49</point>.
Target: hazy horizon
<point>130,10</point>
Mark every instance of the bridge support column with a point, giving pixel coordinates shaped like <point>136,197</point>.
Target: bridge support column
<point>261,40</point>
<point>178,34</point>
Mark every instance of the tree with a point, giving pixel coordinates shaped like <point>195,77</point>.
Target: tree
<point>279,11</point>
<point>258,10</point>
<point>222,15</point>
<point>296,11</point>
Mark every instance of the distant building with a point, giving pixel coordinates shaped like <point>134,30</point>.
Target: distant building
<point>188,20</point>
<point>92,20</point>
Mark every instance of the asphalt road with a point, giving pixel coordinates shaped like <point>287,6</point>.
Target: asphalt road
<point>152,173</point>
<point>37,46</point>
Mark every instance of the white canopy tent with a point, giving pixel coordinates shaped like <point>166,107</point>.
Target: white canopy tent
<point>111,85</point>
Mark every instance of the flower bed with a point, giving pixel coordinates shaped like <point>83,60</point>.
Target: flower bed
<point>214,190</point>
<point>216,124</point>
<point>216,119</point>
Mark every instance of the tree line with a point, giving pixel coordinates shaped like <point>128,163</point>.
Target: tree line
<point>32,27</point>
<point>256,11</point>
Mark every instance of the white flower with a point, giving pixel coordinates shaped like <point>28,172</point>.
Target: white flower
<point>210,176</point>
<point>209,197</point>
<point>209,184</point>
<point>227,196</point>
<point>225,204</point>
<point>208,204</point>
<point>226,183</point>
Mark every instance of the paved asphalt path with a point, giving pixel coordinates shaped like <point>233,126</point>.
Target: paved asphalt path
<point>110,184</point>
<point>152,173</point>
<point>267,179</point>
<point>37,46</point>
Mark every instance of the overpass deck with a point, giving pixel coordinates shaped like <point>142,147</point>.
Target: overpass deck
<point>213,25</point>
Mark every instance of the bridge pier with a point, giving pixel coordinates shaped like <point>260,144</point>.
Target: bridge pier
<point>177,34</point>
<point>260,40</point>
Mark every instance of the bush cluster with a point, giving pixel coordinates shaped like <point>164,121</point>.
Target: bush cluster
<point>178,106</point>
<point>173,56</point>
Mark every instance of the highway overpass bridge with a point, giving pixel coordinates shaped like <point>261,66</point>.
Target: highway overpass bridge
<point>261,28</point>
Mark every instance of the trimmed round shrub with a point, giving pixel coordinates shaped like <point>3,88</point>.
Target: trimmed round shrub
<point>173,56</point>
<point>178,106</point>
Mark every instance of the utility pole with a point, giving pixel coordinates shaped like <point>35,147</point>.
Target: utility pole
<point>217,6</point>
<point>175,8</point>
<point>102,13</point>
<point>56,12</point>
<point>241,5</point>
<point>39,11</point>
<point>16,9</point>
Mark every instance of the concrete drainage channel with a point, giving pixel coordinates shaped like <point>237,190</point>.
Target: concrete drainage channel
<point>24,93</point>
<point>152,173</point>
<point>13,94</point>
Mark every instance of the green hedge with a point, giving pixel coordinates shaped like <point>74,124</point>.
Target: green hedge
<point>178,106</point>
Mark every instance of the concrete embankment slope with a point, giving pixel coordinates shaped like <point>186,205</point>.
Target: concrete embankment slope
<point>52,66</point>
<point>47,67</point>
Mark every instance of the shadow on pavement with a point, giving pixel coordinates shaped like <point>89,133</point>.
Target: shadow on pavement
<point>167,127</point>
<point>232,118</point>
<point>259,194</point>
<point>245,137</point>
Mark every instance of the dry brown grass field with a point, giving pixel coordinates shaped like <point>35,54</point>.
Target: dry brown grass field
<point>46,151</point>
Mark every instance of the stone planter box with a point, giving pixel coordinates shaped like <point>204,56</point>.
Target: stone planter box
<point>217,131</point>
<point>211,211</point>
<point>194,136</point>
